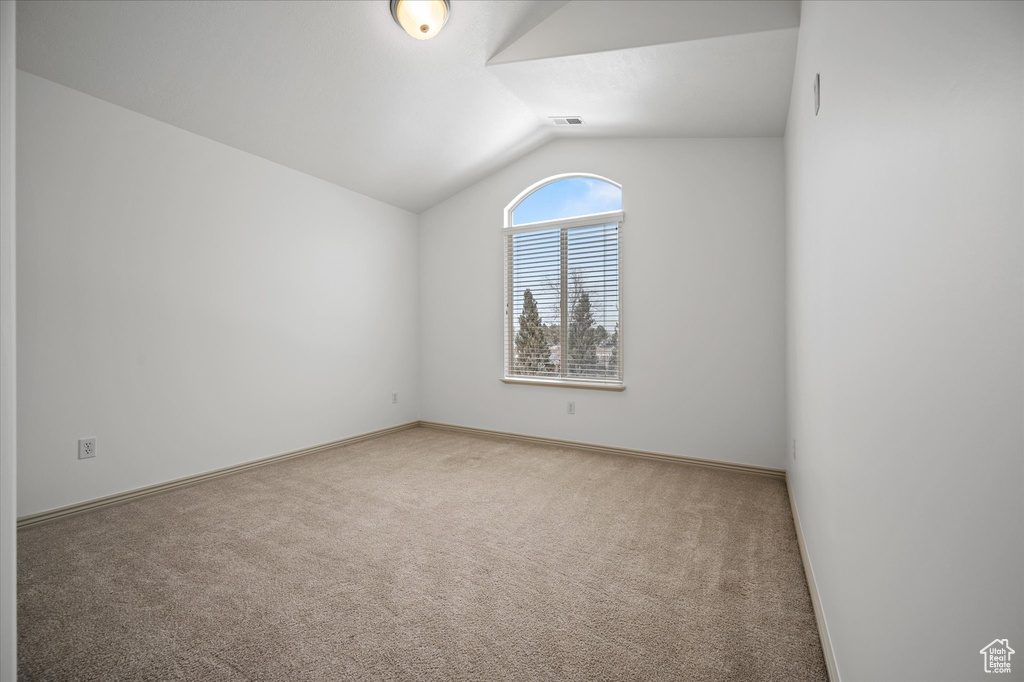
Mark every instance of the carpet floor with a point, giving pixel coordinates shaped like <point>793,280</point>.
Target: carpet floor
<point>427,555</point>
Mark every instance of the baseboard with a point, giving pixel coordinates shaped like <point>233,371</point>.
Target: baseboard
<point>819,614</point>
<point>128,496</point>
<point>591,447</point>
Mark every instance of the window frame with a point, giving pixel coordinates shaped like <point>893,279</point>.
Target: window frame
<point>561,224</point>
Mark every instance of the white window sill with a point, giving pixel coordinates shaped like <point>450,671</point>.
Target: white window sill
<point>558,383</point>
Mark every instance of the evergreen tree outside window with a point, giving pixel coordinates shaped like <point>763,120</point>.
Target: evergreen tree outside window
<point>562,288</point>
<point>533,353</point>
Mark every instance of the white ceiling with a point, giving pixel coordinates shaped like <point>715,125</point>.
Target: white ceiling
<point>337,90</point>
<point>585,27</point>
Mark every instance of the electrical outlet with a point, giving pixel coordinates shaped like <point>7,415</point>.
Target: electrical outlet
<point>394,398</point>
<point>570,407</point>
<point>86,448</point>
<point>793,451</point>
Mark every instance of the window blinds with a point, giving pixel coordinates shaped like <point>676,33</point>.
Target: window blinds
<point>564,271</point>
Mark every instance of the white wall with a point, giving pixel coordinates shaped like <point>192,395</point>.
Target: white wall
<point>703,302</point>
<point>906,334</point>
<point>193,306</point>
<point>8,441</point>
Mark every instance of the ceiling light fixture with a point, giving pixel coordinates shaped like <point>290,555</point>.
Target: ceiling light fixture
<point>422,19</point>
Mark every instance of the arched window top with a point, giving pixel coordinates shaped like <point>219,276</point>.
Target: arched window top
<point>564,196</point>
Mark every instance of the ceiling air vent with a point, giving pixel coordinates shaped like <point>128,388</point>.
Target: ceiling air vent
<point>567,120</point>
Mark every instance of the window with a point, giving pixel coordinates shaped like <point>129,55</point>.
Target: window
<point>562,290</point>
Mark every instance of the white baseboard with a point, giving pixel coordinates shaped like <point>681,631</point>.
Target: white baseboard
<point>819,614</point>
<point>128,496</point>
<point>591,447</point>
<point>121,498</point>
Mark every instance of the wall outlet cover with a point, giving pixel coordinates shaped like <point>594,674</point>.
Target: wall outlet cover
<point>86,448</point>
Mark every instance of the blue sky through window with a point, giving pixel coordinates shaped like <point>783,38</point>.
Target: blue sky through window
<point>568,198</point>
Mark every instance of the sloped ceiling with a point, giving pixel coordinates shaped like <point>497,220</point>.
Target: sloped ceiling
<point>337,90</point>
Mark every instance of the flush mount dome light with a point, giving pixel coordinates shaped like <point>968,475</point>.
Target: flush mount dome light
<point>422,19</point>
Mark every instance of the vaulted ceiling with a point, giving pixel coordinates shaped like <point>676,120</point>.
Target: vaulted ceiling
<point>337,90</point>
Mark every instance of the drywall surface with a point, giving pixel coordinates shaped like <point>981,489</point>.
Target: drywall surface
<point>906,334</point>
<point>192,306</point>
<point>8,401</point>
<point>702,302</point>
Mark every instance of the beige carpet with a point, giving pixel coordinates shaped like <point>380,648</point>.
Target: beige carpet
<point>427,555</point>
